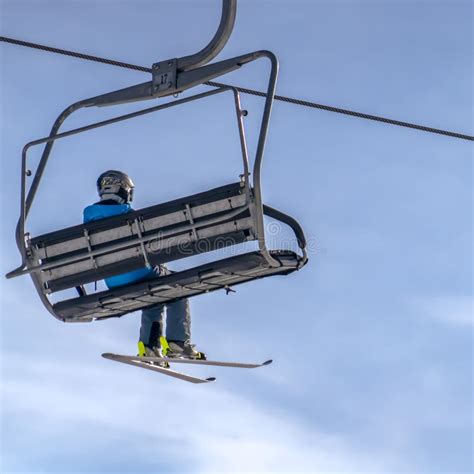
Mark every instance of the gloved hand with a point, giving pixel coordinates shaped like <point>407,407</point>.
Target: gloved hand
<point>162,270</point>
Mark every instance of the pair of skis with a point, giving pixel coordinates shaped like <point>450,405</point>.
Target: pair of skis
<point>152,363</point>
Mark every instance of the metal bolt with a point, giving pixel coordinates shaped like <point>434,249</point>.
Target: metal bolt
<point>28,172</point>
<point>245,113</point>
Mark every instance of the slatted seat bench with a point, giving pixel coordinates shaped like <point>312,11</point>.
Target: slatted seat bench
<point>221,274</point>
<point>203,222</point>
<point>148,237</point>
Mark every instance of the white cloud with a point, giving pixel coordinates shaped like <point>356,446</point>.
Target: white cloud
<point>205,428</point>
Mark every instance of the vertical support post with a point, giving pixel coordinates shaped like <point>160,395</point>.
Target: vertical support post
<point>257,186</point>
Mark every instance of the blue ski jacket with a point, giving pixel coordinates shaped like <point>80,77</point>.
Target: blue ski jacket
<point>104,209</point>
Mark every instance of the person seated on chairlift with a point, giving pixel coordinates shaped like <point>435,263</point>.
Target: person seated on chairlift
<point>116,193</point>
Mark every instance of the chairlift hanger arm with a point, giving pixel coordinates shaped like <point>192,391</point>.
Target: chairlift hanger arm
<point>215,46</point>
<point>169,77</point>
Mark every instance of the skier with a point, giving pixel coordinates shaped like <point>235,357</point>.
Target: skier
<point>116,193</point>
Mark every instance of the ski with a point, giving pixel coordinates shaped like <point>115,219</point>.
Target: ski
<point>144,364</point>
<point>171,360</point>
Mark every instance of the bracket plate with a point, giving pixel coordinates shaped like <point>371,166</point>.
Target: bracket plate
<point>164,76</point>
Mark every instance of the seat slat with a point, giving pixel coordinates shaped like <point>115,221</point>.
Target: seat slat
<point>124,266</point>
<point>233,270</point>
<point>165,247</point>
<point>222,192</point>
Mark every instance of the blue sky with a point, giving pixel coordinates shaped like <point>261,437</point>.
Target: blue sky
<point>372,340</point>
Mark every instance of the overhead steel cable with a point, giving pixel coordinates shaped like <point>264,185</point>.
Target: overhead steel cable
<point>243,90</point>
<point>74,54</point>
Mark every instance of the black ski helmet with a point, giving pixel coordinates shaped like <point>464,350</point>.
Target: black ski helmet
<point>117,184</point>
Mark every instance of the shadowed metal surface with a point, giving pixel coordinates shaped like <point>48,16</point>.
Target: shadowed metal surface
<point>219,275</point>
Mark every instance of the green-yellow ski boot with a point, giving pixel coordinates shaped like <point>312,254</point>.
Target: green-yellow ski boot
<point>155,351</point>
<point>180,349</point>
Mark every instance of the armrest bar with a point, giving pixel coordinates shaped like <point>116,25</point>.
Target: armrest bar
<point>286,219</point>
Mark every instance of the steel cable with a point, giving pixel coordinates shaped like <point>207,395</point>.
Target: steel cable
<point>243,90</point>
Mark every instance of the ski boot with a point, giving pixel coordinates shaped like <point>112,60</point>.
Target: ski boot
<point>180,349</point>
<point>155,351</point>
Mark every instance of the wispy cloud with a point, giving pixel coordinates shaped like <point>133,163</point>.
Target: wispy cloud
<point>456,311</point>
<point>72,403</point>
<point>202,429</point>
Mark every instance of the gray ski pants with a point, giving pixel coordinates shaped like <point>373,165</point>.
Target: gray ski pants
<point>178,323</point>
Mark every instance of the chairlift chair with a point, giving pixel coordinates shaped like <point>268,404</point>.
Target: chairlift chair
<point>221,217</point>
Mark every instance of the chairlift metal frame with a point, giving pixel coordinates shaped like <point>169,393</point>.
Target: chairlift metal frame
<point>246,221</point>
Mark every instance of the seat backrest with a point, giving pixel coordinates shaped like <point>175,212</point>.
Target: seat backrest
<point>184,227</point>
